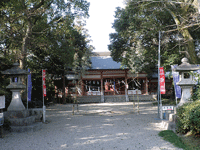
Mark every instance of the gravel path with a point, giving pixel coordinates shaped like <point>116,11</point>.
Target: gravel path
<point>105,126</point>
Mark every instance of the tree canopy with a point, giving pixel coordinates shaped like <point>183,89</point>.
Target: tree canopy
<point>137,26</point>
<point>43,32</point>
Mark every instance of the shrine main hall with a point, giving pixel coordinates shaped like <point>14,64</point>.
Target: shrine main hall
<point>107,80</point>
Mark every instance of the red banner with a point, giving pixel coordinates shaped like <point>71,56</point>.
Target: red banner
<point>162,80</point>
<point>43,82</point>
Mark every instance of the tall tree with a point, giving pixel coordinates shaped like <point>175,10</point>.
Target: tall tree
<point>20,18</point>
<point>135,42</point>
<point>43,33</point>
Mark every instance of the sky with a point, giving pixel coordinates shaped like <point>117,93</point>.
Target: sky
<point>100,22</point>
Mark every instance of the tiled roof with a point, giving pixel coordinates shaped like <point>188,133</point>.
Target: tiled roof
<point>103,60</point>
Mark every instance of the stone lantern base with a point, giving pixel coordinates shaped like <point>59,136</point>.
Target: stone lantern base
<point>16,102</point>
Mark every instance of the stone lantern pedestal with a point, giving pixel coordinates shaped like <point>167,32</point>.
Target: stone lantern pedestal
<point>186,80</point>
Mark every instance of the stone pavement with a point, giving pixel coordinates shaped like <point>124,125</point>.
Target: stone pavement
<point>102,126</point>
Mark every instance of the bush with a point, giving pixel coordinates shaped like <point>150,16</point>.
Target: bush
<point>189,118</point>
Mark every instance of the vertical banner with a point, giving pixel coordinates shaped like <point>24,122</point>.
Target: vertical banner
<point>197,76</point>
<point>44,93</point>
<point>29,86</point>
<point>162,81</point>
<point>176,79</point>
<point>44,83</point>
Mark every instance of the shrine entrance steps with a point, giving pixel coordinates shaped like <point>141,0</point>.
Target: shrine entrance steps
<point>116,98</point>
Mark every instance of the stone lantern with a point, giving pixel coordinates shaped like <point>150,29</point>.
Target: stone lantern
<point>16,86</point>
<point>186,81</point>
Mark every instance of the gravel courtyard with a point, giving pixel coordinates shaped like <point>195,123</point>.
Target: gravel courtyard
<point>104,126</point>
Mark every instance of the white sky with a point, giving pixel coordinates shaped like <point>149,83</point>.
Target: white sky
<point>100,22</point>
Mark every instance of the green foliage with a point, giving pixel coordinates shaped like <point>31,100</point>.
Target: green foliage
<point>189,118</point>
<point>171,137</point>
<point>187,142</point>
<point>196,93</point>
<point>135,42</point>
<point>5,63</point>
<point>196,89</point>
<point>42,29</point>
<point>43,34</point>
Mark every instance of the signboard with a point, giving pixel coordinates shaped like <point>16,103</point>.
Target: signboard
<point>43,82</point>
<point>167,107</point>
<point>162,80</point>
<point>2,102</point>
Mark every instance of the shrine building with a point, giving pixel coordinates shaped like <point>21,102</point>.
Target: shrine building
<point>106,79</point>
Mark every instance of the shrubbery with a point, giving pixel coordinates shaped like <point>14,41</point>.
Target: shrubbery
<point>189,118</point>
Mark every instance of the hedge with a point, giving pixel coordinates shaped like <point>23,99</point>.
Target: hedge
<point>188,118</point>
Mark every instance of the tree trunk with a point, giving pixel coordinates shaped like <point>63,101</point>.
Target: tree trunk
<point>187,36</point>
<point>190,46</point>
<point>24,46</point>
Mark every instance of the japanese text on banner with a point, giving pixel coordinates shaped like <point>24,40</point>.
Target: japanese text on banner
<point>162,81</point>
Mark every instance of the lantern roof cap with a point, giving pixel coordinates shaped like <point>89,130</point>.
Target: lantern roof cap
<point>186,66</point>
<point>15,70</point>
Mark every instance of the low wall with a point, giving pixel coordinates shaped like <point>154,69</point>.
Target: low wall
<point>89,99</point>
<point>142,98</point>
<point>116,98</point>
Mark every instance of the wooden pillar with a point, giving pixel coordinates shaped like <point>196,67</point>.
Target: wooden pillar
<point>82,87</point>
<point>126,87</point>
<point>102,92</point>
